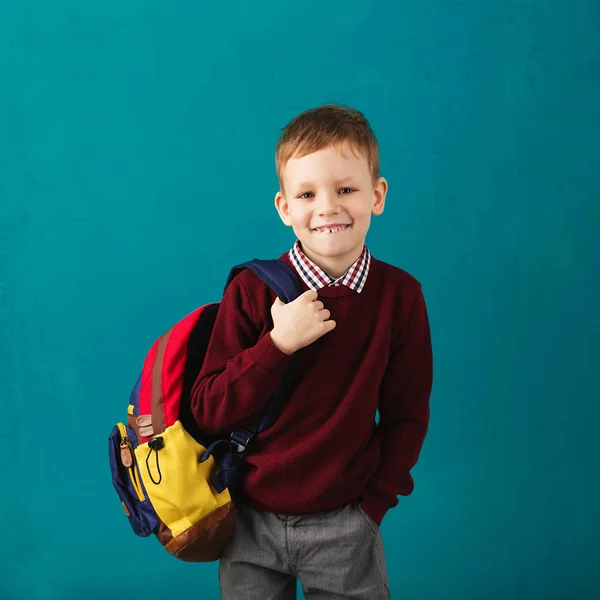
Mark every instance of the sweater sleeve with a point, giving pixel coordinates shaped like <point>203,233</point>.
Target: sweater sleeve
<point>403,410</point>
<point>241,370</point>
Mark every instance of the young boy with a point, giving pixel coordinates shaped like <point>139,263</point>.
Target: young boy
<point>321,479</point>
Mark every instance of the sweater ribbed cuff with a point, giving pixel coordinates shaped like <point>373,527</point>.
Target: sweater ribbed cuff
<point>377,499</point>
<point>269,357</point>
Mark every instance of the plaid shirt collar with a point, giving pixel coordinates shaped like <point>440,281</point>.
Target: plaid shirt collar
<point>316,279</point>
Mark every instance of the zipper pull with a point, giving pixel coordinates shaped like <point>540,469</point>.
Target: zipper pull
<point>126,456</point>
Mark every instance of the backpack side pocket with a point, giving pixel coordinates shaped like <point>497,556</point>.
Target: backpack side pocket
<point>127,481</point>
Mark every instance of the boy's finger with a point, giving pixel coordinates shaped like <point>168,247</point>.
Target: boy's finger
<point>310,295</point>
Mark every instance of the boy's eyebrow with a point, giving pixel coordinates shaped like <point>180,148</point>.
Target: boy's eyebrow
<point>347,179</point>
<point>309,184</point>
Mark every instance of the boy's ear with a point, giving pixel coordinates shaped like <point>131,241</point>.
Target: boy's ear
<point>379,194</point>
<point>283,208</point>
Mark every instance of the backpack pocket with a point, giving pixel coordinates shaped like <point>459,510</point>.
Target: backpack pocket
<point>177,482</point>
<point>128,482</point>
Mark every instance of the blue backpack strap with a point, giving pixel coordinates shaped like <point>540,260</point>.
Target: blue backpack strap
<point>284,282</point>
<point>279,276</point>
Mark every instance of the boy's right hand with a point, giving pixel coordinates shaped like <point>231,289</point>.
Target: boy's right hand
<point>299,323</point>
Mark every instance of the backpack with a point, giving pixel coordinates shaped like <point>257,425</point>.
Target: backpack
<point>172,479</point>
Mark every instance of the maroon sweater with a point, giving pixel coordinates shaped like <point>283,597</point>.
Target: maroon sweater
<point>325,449</point>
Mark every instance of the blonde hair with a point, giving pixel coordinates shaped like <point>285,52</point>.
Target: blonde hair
<point>321,127</point>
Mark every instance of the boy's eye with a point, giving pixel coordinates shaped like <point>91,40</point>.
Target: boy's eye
<point>344,191</point>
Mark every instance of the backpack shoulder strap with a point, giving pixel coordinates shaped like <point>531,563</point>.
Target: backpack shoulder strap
<point>284,282</point>
<point>279,276</point>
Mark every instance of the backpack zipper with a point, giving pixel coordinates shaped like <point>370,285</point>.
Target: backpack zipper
<point>128,460</point>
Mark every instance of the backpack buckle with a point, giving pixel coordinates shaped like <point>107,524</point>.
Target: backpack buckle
<point>240,440</point>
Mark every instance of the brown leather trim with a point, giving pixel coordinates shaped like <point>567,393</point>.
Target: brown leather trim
<point>144,420</point>
<point>147,431</point>
<point>163,534</point>
<point>206,540</point>
<point>158,415</point>
<point>131,421</point>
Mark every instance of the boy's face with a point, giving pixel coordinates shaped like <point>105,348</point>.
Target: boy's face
<point>328,198</point>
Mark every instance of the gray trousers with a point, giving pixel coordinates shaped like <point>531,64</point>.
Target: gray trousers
<point>336,554</point>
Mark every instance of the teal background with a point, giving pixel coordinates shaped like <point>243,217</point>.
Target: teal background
<point>136,166</point>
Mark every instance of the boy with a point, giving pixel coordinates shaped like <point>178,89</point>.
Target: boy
<point>321,479</point>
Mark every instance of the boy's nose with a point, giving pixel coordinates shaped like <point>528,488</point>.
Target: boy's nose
<point>328,205</point>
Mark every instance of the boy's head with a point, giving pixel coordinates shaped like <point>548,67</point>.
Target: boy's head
<point>327,161</point>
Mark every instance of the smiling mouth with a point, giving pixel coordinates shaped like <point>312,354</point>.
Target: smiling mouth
<point>331,229</point>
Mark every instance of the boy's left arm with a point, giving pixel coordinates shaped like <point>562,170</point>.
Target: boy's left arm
<point>403,410</point>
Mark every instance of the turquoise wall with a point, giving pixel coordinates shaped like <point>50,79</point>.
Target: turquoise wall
<point>136,166</point>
